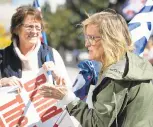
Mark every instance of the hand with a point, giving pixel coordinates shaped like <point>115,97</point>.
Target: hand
<point>11,81</point>
<point>50,66</point>
<point>52,91</point>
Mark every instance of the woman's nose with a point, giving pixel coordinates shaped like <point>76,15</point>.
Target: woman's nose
<point>34,30</point>
<point>87,43</point>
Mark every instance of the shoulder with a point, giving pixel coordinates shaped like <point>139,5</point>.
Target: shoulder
<point>1,56</point>
<point>5,52</point>
<point>1,52</point>
<point>7,49</point>
<point>57,56</point>
<point>49,48</point>
<point>55,52</point>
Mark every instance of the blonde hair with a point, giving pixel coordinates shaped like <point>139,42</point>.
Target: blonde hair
<point>115,37</point>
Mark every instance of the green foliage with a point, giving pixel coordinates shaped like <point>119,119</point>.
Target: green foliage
<point>101,3</point>
<point>63,27</point>
<point>4,37</point>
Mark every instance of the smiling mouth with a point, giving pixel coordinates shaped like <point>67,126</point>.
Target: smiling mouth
<point>31,36</point>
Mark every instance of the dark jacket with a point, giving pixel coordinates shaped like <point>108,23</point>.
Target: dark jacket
<point>124,98</point>
<point>10,63</point>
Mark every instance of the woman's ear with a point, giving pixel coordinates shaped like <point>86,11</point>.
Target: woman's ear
<point>16,31</point>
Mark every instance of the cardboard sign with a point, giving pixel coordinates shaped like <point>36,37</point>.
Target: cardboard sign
<point>29,108</point>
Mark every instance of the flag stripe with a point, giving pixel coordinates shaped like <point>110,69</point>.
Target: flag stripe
<point>146,9</point>
<point>133,26</point>
<point>141,27</point>
<point>140,45</point>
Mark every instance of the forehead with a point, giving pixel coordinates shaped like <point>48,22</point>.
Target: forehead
<point>92,29</point>
<point>30,19</point>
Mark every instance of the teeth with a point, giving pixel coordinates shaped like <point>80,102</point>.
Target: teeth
<point>32,36</point>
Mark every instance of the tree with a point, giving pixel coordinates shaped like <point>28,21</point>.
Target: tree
<point>60,31</point>
<point>63,26</point>
<point>4,38</point>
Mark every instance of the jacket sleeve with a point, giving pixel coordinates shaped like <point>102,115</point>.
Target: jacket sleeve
<point>61,69</point>
<point>106,108</point>
<point>97,117</point>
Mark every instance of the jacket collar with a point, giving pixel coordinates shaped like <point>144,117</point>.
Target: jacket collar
<point>131,67</point>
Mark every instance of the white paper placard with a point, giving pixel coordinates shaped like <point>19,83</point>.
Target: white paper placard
<point>29,108</point>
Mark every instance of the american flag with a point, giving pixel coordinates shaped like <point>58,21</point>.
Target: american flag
<point>44,38</point>
<point>88,74</point>
<point>36,5</point>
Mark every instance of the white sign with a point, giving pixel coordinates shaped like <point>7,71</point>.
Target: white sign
<point>29,108</point>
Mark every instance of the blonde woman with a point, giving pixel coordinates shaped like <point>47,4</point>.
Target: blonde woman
<point>123,95</point>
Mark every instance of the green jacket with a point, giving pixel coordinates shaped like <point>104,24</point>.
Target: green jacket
<point>124,98</point>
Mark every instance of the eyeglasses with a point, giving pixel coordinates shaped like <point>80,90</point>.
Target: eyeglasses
<point>29,27</point>
<point>92,39</point>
